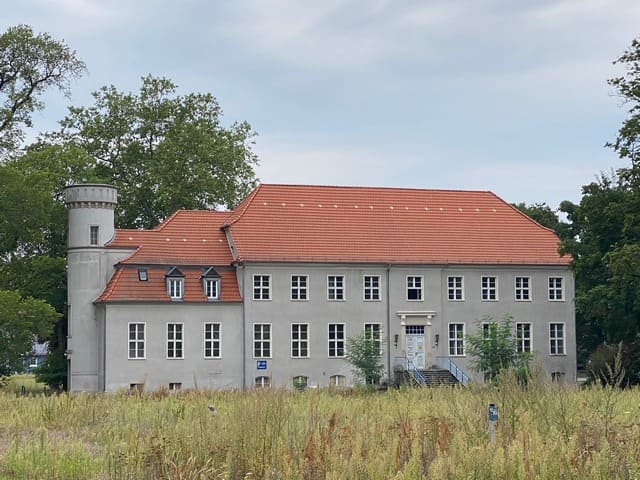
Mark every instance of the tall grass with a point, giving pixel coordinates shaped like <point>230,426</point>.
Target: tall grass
<point>544,432</point>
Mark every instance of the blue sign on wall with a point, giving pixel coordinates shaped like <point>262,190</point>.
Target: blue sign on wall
<point>261,364</point>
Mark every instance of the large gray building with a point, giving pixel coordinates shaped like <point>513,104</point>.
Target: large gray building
<point>268,294</point>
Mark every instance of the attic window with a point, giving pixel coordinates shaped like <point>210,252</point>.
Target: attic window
<point>175,282</point>
<point>211,284</point>
<point>142,274</point>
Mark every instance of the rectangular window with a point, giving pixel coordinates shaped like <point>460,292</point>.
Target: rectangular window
<point>486,330</point>
<point>262,287</point>
<point>556,338</point>
<point>371,285</point>
<point>212,340</point>
<point>523,292</point>
<point>336,340</point>
<point>262,382</point>
<point>173,386</point>
<point>556,290</point>
<point>175,288</point>
<point>262,340</point>
<point>94,230</point>
<point>414,288</point>
<point>456,339</point>
<point>455,289</point>
<point>523,337</point>
<point>489,288</point>
<point>373,331</point>
<point>300,340</point>
<point>143,276</point>
<point>136,341</point>
<point>299,287</point>
<point>335,287</point>
<point>175,340</point>
<point>211,288</point>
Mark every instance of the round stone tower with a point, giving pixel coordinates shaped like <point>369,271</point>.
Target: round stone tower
<point>91,226</point>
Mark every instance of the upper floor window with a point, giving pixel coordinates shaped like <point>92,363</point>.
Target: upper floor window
<point>489,288</point>
<point>94,231</point>
<point>262,287</point>
<point>523,337</point>
<point>556,288</point>
<point>175,340</point>
<point>136,341</point>
<point>455,289</point>
<point>414,288</point>
<point>523,292</point>
<point>371,285</point>
<point>299,285</point>
<point>556,339</point>
<point>335,287</point>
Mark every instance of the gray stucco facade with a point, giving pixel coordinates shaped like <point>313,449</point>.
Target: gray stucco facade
<point>293,318</point>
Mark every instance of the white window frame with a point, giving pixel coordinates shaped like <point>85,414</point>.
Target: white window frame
<point>262,381</point>
<point>337,381</point>
<point>207,283</point>
<point>261,291</point>
<point>175,386</point>
<point>373,331</point>
<point>210,340</point>
<point>301,291</point>
<point>298,342</point>
<point>523,340</point>
<point>137,341</point>
<point>485,329</point>
<point>336,343</point>
<point>94,240</point>
<point>175,288</point>
<point>336,293</point>
<point>552,291</point>
<point>486,289</point>
<point>411,285</point>
<point>522,291</point>
<point>453,348</point>
<point>175,342</point>
<point>262,340</point>
<point>456,288</point>
<point>368,288</point>
<point>555,340</point>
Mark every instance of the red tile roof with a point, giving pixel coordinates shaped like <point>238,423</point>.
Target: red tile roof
<point>190,240</point>
<point>188,237</point>
<point>125,286</point>
<point>389,225</point>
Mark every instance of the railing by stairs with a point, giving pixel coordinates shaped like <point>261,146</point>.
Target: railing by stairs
<point>408,366</point>
<point>447,364</point>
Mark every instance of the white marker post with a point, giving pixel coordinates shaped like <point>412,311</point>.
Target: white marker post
<point>493,419</point>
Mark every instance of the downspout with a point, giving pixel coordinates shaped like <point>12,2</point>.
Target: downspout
<point>388,325</point>
<point>244,334</point>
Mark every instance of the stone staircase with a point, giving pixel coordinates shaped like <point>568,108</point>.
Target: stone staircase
<point>435,377</point>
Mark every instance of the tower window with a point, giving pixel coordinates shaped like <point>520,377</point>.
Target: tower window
<point>93,234</point>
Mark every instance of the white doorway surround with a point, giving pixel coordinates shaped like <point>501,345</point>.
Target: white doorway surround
<point>416,337</point>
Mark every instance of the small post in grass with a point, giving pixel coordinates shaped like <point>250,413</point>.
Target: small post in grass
<point>493,419</point>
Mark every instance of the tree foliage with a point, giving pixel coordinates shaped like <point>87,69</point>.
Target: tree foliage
<point>541,213</point>
<point>363,353</point>
<point>22,320</point>
<point>30,64</point>
<point>495,348</point>
<point>162,150</point>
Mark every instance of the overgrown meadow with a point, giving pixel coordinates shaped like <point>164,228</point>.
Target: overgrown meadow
<point>544,432</point>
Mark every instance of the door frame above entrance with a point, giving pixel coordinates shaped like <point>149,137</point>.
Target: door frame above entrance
<point>417,317</point>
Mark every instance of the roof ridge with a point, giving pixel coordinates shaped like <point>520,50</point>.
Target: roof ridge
<point>237,212</point>
<point>372,187</point>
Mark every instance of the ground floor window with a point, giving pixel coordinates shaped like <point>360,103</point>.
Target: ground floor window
<point>136,341</point>
<point>336,340</point>
<point>523,336</point>
<point>212,340</point>
<point>373,331</point>
<point>556,338</point>
<point>262,340</point>
<point>456,339</point>
<point>175,340</point>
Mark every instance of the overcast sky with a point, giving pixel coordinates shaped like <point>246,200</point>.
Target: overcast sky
<point>501,95</point>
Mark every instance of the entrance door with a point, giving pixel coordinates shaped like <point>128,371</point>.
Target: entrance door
<point>416,345</point>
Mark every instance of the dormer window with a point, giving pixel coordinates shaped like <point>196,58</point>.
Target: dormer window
<point>211,284</point>
<point>175,282</point>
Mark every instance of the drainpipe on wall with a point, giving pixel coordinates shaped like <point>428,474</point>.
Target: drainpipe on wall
<point>244,333</point>
<point>388,326</point>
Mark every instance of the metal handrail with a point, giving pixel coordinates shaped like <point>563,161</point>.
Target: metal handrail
<point>416,374</point>
<point>448,364</point>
